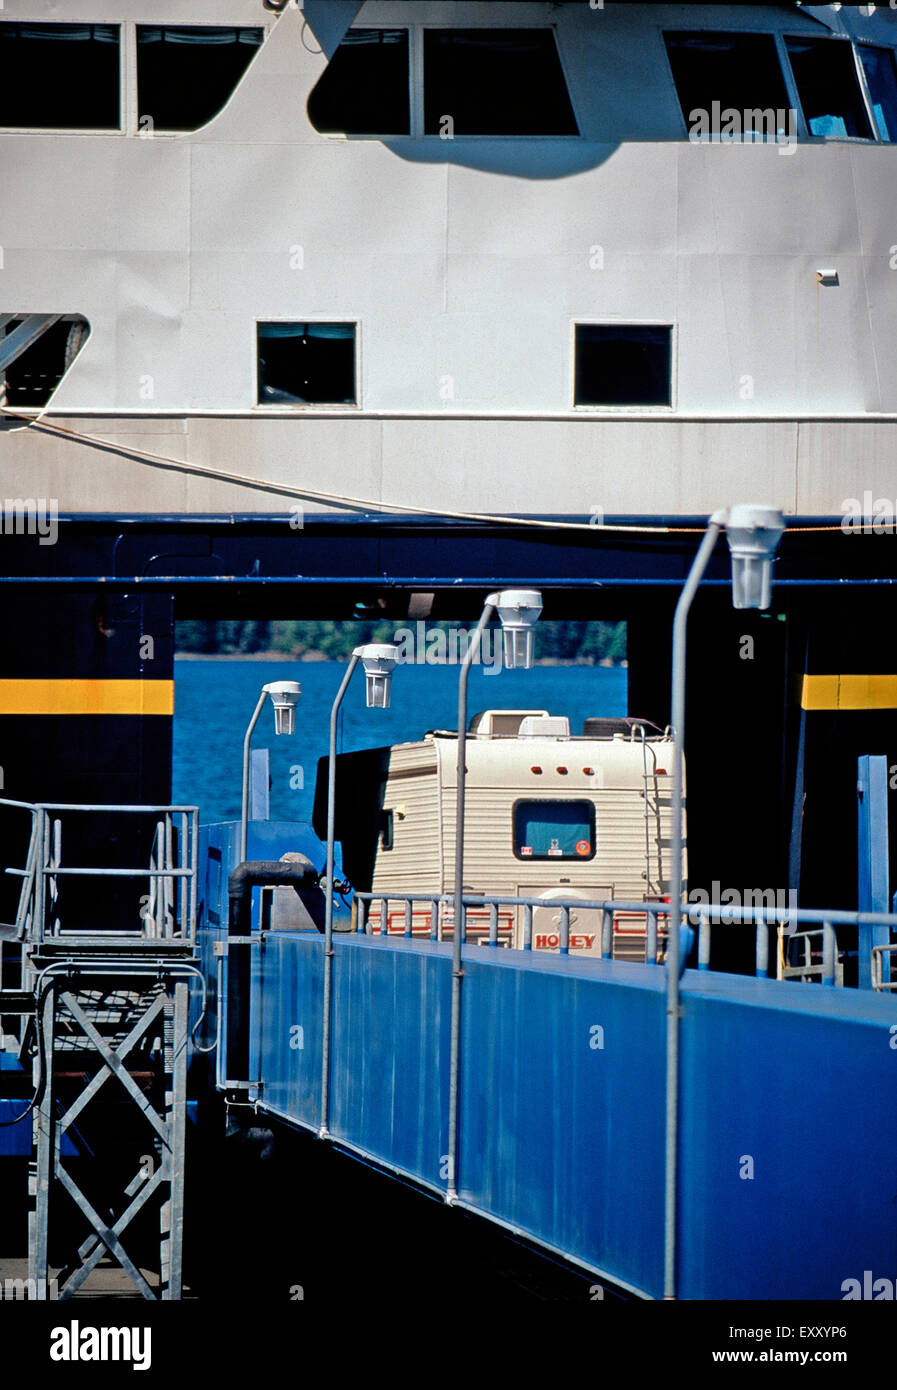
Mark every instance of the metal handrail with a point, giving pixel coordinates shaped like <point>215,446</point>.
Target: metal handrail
<point>704,915</point>
<point>878,954</point>
<point>172,905</point>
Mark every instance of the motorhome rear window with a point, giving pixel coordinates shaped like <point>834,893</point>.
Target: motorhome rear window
<point>554,830</point>
<point>186,75</point>
<point>718,73</point>
<point>829,89</point>
<point>59,76</point>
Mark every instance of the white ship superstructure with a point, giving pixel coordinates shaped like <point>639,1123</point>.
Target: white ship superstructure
<point>562,259</point>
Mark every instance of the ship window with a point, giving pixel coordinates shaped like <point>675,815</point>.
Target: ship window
<point>34,373</point>
<point>186,75</point>
<point>364,89</point>
<point>828,87</point>
<point>881,76</point>
<point>494,82</point>
<point>554,830</point>
<point>59,76</point>
<point>306,363</point>
<point>716,74</point>
<point>618,364</point>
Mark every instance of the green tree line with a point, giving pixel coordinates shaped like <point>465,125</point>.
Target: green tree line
<point>334,641</point>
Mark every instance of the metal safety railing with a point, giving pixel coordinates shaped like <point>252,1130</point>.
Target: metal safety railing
<point>812,930</point>
<point>166,912</point>
<point>495,924</point>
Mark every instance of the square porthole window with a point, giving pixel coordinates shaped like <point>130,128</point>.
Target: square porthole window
<point>306,364</point>
<point>623,364</point>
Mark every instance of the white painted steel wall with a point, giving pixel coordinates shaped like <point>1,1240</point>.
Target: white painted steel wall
<point>465,261</point>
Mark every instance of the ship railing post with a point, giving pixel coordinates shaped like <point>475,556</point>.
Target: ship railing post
<point>651,936</point>
<point>703,941</point>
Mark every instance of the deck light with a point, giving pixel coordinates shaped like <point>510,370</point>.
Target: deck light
<point>284,697</point>
<point>379,660</point>
<point>519,611</point>
<point>753,533</point>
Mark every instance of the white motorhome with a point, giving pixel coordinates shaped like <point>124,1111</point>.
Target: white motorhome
<point>549,816</point>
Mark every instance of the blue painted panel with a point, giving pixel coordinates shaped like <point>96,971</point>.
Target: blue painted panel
<point>807,1094</point>
<point>287,997</point>
<point>391,1039</point>
<point>562,1106</point>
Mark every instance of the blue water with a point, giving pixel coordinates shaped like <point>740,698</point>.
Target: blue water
<point>214,701</point>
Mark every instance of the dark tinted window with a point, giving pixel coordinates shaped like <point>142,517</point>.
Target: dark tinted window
<point>828,87</point>
<point>59,76</point>
<point>554,830</point>
<point>735,71</point>
<point>186,75</point>
<point>495,82</point>
<point>364,89</point>
<point>306,363</point>
<point>879,67</point>
<point>621,365</point>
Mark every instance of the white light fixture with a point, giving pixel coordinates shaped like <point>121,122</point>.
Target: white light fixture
<point>827,276</point>
<point>753,533</point>
<point>379,660</point>
<point>519,611</point>
<point>284,697</point>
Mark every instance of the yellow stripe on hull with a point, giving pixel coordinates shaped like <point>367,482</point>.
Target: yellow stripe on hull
<point>849,692</point>
<point>86,697</point>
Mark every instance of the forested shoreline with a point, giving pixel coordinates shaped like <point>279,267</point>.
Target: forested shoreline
<point>296,640</point>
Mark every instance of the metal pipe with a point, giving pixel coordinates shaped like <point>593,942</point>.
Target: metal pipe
<point>244,805</point>
<point>458,932</point>
<point>328,910</point>
<point>703,941</point>
<point>828,954</point>
<point>761,968</point>
<point>651,937</point>
<point>680,621</point>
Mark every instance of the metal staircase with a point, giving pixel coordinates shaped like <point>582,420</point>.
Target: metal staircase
<point>95,974</point>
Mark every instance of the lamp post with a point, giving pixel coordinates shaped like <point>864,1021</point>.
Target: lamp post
<point>379,661</point>
<point>518,610</point>
<point>284,696</point>
<point>753,533</point>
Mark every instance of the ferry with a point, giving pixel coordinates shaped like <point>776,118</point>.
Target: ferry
<point>364,311</point>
